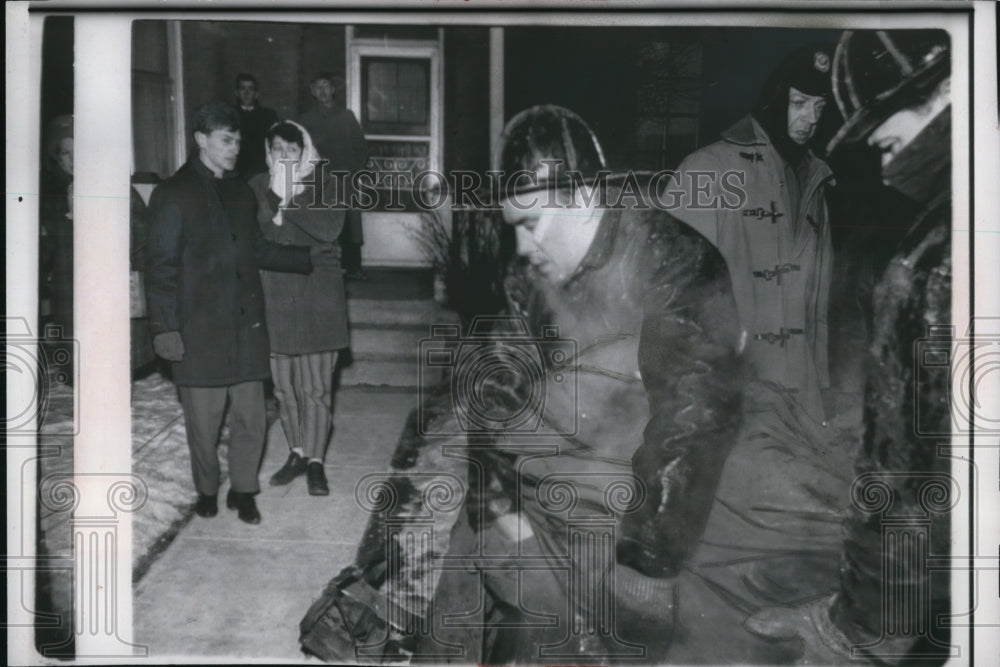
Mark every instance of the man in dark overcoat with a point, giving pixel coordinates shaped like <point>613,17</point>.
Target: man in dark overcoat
<point>339,138</point>
<point>206,305</point>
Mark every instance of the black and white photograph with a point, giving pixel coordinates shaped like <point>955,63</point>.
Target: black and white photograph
<point>503,333</point>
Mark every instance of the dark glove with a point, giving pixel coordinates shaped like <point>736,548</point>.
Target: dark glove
<point>169,345</point>
<point>325,255</point>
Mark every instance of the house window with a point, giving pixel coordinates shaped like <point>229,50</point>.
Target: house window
<point>668,101</point>
<point>396,95</point>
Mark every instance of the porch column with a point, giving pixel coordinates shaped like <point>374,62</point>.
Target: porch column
<point>103,485</point>
<point>496,89</point>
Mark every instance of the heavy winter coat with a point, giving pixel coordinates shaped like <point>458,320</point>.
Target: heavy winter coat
<point>636,403</point>
<point>780,255</point>
<point>658,377</point>
<point>305,313</point>
<point>907,414</point>
<point>339,138</point>
<point>204,254</point>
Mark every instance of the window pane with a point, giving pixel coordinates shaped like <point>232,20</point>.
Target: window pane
<point>396,95</point>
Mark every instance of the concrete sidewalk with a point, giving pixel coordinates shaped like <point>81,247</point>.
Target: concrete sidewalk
<point>227,590</point>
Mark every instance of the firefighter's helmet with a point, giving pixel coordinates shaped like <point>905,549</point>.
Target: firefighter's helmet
<point>877,73</point>
<point>548,142</point>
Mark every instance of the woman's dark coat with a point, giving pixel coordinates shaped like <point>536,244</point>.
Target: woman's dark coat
<point>308,313</point>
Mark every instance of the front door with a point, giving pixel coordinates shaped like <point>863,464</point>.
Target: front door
<point>396,91</point>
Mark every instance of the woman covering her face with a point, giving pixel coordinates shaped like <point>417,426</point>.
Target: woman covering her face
<point>306,314</point>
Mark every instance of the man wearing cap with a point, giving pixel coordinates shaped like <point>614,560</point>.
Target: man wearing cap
<point>772,528</point>
<point>778,245</point>
<point>893,90</point>
<point>339,138</point>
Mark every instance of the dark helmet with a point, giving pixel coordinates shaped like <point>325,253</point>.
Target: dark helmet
<point>548,133</point>
<point>877,73</point>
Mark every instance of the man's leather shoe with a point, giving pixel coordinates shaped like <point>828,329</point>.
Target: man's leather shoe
<point>245,505</point>
<point>294,466</point>
<point>207,506</point>
<point>316,479</point>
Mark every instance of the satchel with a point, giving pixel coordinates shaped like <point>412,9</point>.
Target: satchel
<point>346,624</point>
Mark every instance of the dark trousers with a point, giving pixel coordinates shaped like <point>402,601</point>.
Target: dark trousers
<point>351,240</point>
<point>204,408</point>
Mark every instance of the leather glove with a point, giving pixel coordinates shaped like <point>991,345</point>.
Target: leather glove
<point>169,345</point>
<point>325,255</point>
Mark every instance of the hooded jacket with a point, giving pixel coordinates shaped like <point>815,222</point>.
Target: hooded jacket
<point>778,247</point>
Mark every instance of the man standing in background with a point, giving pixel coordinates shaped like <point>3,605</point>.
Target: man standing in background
<point>893,89</point>
<point>778,245</point>
<point>255,121</point>
<point>890,608</point>
<point>339,138</point>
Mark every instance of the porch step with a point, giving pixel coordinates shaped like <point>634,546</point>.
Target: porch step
<point>388,370</point>
<point>423,312</point>
<point>396,339</point>
<point>385,341</point>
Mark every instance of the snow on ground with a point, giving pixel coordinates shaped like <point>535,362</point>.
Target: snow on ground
<point>159,457</point>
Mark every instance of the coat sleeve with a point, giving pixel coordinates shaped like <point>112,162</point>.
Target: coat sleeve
<point>322,224</point>
<point>690,366</point>
<point>825,270</point>
<point>267,201</point>
<point>269,254</point>
<point>699,183</point>
<point>277,257</point>
<point>163,258</point>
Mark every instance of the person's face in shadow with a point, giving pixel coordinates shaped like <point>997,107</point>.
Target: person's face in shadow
<point>64,155</point>
<point>322,90</point>
<point>246,93</point>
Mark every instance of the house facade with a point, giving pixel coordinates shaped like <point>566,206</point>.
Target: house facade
<point>435,97</point>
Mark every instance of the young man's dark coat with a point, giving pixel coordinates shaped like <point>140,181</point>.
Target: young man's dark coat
<point>204,256</point>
